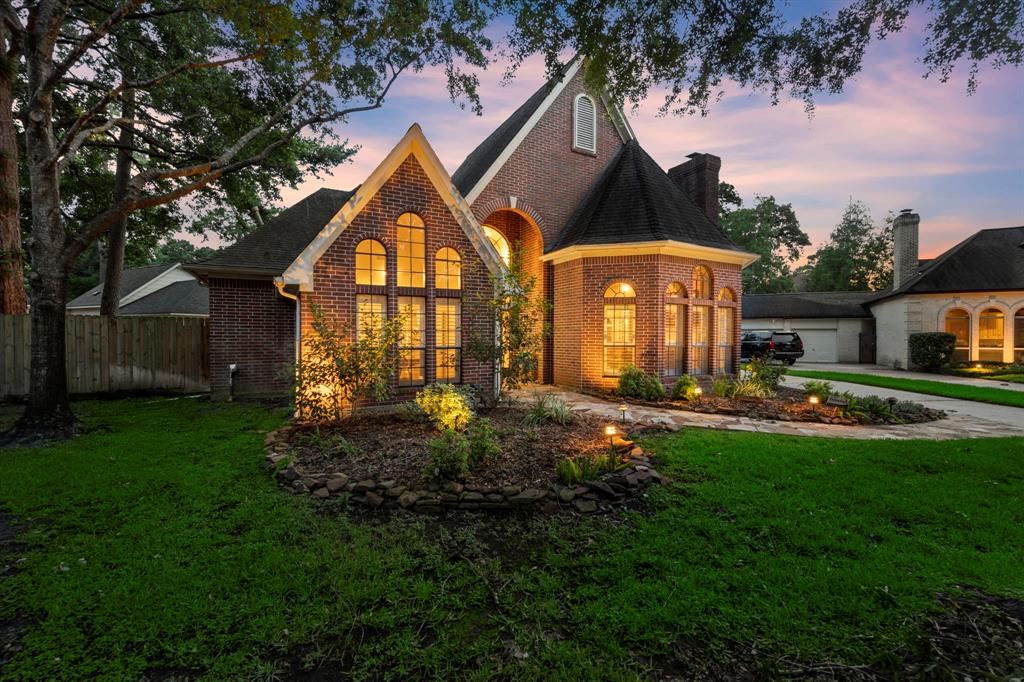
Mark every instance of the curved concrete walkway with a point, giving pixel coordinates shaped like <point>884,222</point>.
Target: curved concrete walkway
<point>955,425</point>
<point>880,371</point>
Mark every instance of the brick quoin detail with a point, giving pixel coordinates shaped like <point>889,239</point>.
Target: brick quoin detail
<point>253,327</point>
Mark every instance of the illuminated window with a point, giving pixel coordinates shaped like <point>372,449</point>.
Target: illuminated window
<point>726,330</point>
<point>448,332</point>
<point>371,263</point>
<point>499,242</point>
<point>990,334</point>
<point>726,295</point>
<point>699,339</point>
<point>675,290</point>
<point>675,329</point>
<point>584,124</point>
<point>701,282</point>
<point>370,313</point>
<point>1018,337</point>
<point>448,269</point>
<point>958,323</point>
<point>412,342</point>
<point>619,328</point>
<point>412,259</point>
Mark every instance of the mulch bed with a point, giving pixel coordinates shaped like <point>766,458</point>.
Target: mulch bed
<point>394,447</point>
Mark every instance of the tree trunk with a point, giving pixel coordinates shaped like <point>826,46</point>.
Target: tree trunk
<point>116,235</point>
<point>12,282</point>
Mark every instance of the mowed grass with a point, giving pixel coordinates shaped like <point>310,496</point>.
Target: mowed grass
<point>982,394</point>
<point>160,545</point>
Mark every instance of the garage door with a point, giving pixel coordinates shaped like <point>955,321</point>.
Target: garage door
<point>819,345</point>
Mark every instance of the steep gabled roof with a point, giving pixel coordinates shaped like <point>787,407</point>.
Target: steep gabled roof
<point>271,248</point>
<point>988,260</point>
<point>634,200</point>
<point>808,304</point>
<point>180,298</point>
<point>131,280</point>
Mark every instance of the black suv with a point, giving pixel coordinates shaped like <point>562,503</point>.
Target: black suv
<point>784,346</point>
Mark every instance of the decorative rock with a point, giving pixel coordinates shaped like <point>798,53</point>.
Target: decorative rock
<point>495,497</point>
<point>310,482</point>
<point>453,487</point>
<point>364,485</point>
<point>395,491</point>
<point>449,497</point>
<point>300,487</point>
<point>600,487</point>
<point>636,451</point>
<point>510,490</point>
<point>580,490</point>
<point>550,507</point>
<point>566,494</point>
<point>384,485</point>
<point>321,493</point>
<point>469,505</point>
<point>289,474</point>
<point>406,500</point>
<point>528,496</point>
<point>337,483</point>
<point>585,506</point>
<point>373,499</point>
<point>472,497</point>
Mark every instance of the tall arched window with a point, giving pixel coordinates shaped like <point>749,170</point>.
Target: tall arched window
<point>584,124</point>
<point>958,323</point>
<point>619,328</point>
<point>991,324</point>
<point>675,329</point>
<point>701,282</point>
<point>725,294</point>
<point>726,332</point>
<point>412,256</point>
<point>448,269</point>
<point>371,263</point>
<point>499,243</point>
<point>1018,337</point>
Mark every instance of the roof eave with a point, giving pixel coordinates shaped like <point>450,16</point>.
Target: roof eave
<point>667,247</point>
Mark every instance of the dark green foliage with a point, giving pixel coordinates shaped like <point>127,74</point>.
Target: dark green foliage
<point>931,350</point>
<point>634,383</point>
<point>483,442</point>
<point>449,456</point>
<point>548,409</point>
<point>576,470</point>
<point>722,386</point>
<point>684,388</point>
<point>857,257</point>
<point>772,231</point>
<point>767,372</point>
<point>822,389</point>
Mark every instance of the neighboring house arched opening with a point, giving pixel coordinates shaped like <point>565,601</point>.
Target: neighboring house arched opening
<point>991,334</point>
<point>675,329</point>
<point>958,323</point>
<point>619,328</point>
<point>1018,336</point>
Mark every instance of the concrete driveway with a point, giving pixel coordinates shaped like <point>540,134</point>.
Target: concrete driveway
<point>879,371</point>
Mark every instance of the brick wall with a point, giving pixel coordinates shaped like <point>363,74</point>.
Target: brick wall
<point>579,313</point>
<point>408,190</point>
<point>252,326</point>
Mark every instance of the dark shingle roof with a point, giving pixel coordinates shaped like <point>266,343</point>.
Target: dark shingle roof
<point>988,260</point>
<point>274,246</point>
<point>180,298</point>
<point>131,279</point>
<point>808,304</point>
<point>488,151</point>
<point>634,200</point>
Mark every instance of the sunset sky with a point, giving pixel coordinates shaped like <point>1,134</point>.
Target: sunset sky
<point>893,140</point>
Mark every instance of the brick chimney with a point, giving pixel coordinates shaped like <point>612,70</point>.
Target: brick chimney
<point>905,230</point>
<point>698,177</point>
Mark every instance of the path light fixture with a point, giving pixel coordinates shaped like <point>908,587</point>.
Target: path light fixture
<point>698,392</point>
<point>610,432</point>
<point>813,400</point>
<point>623,407</point>
<point>977,366</point>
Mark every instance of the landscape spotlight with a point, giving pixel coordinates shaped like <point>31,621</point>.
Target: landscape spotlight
<point>622,411</point>
<point>610,432</point>
<point>813,400</point>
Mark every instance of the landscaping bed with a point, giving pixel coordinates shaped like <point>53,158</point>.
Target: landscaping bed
<point>383,459</point>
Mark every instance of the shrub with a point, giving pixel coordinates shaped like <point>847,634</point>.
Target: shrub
<point>822,389</point>
<point>931,350</point>
<point>908,407</point>
<point>548,408</point>
<point>722,386</point>
<point>345,447</point>
<point>747,388</point>
<point>575,470</point>
<point>483,444</point>
<point>634,383</point>
<point>684,388</point>
<point>446,405</point>
<point>449,456</point>
<point>767,373</point>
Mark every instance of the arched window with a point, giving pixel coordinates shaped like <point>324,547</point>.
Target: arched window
<point>584,124</point>
<point>412,256</point>
<point>619,328</point>
<point>1018,337</point>
<point>371,263</point>
<point>448,269</point>
<point>675,329</point>
<point>958,323</point>
<point>726,332</point>
<point>990,334</point>
<point>725,294</point>
<point>701,282</point>
<point>499,243</point>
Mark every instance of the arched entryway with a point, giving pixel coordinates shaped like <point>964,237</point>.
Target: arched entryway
<point>522,238</point>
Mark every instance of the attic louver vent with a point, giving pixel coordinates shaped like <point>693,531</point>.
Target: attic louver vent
<point>584,133</point>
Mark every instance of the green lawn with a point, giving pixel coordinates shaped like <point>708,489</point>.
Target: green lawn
<point>982,394</point>
<point>160,545</point>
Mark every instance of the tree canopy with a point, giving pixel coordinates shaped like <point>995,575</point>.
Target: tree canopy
<point>857,257</point>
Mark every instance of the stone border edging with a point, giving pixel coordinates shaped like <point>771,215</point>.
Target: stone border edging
<point>589,497</point>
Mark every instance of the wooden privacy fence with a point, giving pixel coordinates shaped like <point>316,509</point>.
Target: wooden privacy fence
<point>113,354</point>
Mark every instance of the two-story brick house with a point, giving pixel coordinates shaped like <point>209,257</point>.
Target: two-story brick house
<point>630,257</point>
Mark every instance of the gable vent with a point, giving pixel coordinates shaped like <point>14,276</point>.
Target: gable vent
<point>584,128</point>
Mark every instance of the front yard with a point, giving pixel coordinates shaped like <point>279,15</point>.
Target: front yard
<point>158,545</point>
<point>982,394</point>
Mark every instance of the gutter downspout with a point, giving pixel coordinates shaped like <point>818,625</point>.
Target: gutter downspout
<point>280,286</point>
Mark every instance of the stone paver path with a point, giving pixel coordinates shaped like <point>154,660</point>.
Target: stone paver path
<point>955,426</point>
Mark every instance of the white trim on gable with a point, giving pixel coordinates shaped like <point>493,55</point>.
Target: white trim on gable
<point>300,273</point>
<point>618,119</point>
<point>175,273</point>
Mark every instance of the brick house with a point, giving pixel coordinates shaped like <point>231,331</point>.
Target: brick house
<point>630,257</point>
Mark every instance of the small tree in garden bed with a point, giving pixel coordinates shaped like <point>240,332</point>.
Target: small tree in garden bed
<point>339,368</point>
<point>931,350</point>
<point>766,373</point>
<point>520,316</point>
